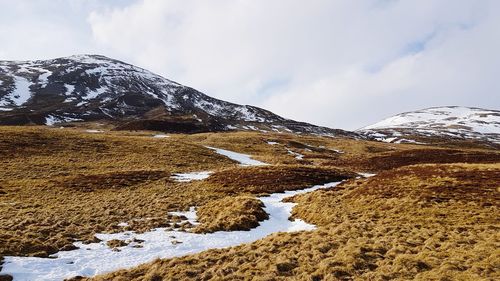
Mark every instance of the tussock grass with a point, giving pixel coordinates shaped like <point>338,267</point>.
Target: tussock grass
<point>416,222</point>
<point>115,243</point>
<point>113,180</point>
<point>230,213</point>
<point>271,179</point>
<point>388,227</point>
<point>58,186</point>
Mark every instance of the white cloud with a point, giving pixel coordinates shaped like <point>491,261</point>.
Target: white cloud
<point>336,63</point>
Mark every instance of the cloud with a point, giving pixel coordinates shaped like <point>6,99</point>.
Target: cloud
<point>335,63</point>
<point>48,28</point>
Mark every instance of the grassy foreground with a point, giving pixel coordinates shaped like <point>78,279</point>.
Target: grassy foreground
<point>433,221</point>
<point>424,222</point>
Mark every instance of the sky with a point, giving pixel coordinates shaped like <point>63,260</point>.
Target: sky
<point>342,64</point>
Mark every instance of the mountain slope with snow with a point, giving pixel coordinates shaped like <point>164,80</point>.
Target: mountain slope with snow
<point>97,88</point>
<point>450,122</point>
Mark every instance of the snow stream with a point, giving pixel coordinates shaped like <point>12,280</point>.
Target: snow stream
<point>97,258</point>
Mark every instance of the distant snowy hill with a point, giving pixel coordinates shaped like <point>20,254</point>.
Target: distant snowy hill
<point>450,122</point>
<point>97,88</point>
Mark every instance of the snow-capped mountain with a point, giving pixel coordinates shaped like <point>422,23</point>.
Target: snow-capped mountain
<point>449,122</point>
<point>97,88</point>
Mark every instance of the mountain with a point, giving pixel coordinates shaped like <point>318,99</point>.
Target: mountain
<point>96,88</point>
<point>453,123</point>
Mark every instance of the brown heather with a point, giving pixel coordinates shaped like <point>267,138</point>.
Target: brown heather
<point>410,227</point>
<point>429,222</point>
<point>271,179</point>
<point>58,186</point>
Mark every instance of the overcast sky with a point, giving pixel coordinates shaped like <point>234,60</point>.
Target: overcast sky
<point>342,64</point>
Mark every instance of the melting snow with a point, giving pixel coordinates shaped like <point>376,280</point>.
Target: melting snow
<point>367,175</point>
<point>190,215</point>
<point>452,118</point>
<point>187,177</point>
<point>22,92</point>
<point>297,156</point>
<point>161,136</point>
<point>95,93</point>
<point>98,258</point>
<point>43,78</point>
<point>69,88</point>
<point>243,159</point>
<point>50,120</point>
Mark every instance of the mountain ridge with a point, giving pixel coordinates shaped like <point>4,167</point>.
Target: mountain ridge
<point>452,122</point>
<point>98,88</point>
<point>95,88</point>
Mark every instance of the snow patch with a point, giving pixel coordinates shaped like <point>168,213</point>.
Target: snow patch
<point>98,258</point>
<point>187,177</point>
<point>95,93</point>
<point>22,92</point>
<point>43,78</point>
<point>50,120</point>
<point>243,159</point>
<point>161,136</point>
<point>190,215</point>
<point>454,121</point>
<point>297,156</point>
<point>69,88</point>
<point>366,175</point>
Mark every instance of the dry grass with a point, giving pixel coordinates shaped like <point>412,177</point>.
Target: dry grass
<point>357,155</point>
<point>230,213</point>
<point>271,179</point>
<point>427,222</point>
<point>387,227</point>
<point>115,243</point>
<point>58,186</point>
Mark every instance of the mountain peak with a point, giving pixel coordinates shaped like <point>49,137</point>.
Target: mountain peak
<point>84,88</point>
<point>453,122</point>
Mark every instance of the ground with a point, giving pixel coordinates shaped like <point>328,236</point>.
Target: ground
<point>433,221</point>
<point>423,222</point>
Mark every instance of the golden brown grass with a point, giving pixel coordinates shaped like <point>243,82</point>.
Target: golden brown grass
<point>271,179</point>
<point>58,186</point>
<point>230,213</point>
<point>115,243</point>
<point>398,231</point>
<point>351,154</point>
<point>62,185</point>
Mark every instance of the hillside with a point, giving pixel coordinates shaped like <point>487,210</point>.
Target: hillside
<point>98,201</point>
<point>93,88</point>
<point>122,174</point>
<point>448,123</point>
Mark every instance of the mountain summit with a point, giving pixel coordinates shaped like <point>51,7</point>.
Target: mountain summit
<point>97,88</point>
<point>446,122</point>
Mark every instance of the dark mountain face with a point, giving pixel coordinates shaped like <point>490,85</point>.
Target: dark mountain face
<point>95,88</point>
